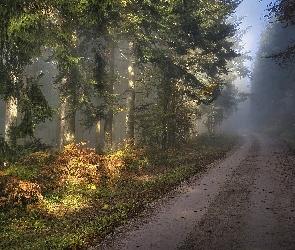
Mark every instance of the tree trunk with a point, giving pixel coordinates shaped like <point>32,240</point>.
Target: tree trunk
<point>69,98</point>
<point>10,119</point>
<point>67,118</point>
<point>108,125</point>
<point>98,140</point>
<point>130,118</point>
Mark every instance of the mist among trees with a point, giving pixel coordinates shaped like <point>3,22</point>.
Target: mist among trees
<point>273,75</point>
<point>127,71</point>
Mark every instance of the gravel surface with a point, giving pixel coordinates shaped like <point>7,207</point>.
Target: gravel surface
<point>245,201</point>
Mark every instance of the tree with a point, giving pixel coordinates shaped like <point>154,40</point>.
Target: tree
<point>230,96</point>
<point>272,86</point>
<point>21,37</point>
<point>108,125</point>
<point>191,54</point>
<point>221,108</point>
<point>130,118</point>
<point>73,36</point>
<point>283,11</point>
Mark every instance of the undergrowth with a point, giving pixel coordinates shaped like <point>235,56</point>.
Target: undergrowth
<point>73,198</point>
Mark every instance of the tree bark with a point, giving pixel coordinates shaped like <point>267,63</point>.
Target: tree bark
<point>67,118</point>
<point>108,125</point>
<point>10,119</point>
<point>98,140</point>
<point>130,118</point>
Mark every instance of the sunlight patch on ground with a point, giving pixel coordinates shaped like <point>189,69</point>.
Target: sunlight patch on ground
<point>60,207</point>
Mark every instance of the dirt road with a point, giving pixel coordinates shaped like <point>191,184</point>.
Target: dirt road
<point>245,201</point>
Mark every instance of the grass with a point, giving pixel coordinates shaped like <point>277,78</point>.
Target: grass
<point>73,198</point>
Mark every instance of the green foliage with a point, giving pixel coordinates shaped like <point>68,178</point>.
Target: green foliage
<point>9,154</point>
<point>165,125</point>
<point>34,107</point>
<point>188,44</point>
<point>195,46</point>
<point>5,151</point>
<point>23,172</point>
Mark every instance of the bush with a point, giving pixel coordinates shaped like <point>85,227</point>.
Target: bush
<point>9,154</point>
<point>6,153</point>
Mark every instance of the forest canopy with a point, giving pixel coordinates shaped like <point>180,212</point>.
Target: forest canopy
<point>178,54</point>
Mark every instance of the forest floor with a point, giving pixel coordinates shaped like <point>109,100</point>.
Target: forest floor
<point>244,201</point>
<point>73,198</point>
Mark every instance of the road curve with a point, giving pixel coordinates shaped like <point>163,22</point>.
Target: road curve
<point>245,201</point>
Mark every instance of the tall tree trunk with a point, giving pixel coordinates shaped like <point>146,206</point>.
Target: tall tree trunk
<point>98,143</point>
<point>10,119</point>
<point>108,124</point>
<point>130,118</point>
<point>69,97</point>
<point>67,118</point>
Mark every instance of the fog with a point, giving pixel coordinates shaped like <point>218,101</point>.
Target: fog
<point>270,106</point>
<point>254,21</point>
<point>240,118</point>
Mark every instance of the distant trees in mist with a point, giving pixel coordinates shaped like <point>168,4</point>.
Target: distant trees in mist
<point>273,77</point>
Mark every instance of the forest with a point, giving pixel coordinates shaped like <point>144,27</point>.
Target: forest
<point>128,71</point>
<point>273,75</point>
<point>107,105</point>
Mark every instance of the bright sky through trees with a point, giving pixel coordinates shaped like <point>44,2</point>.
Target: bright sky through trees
<point>254,12</point>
